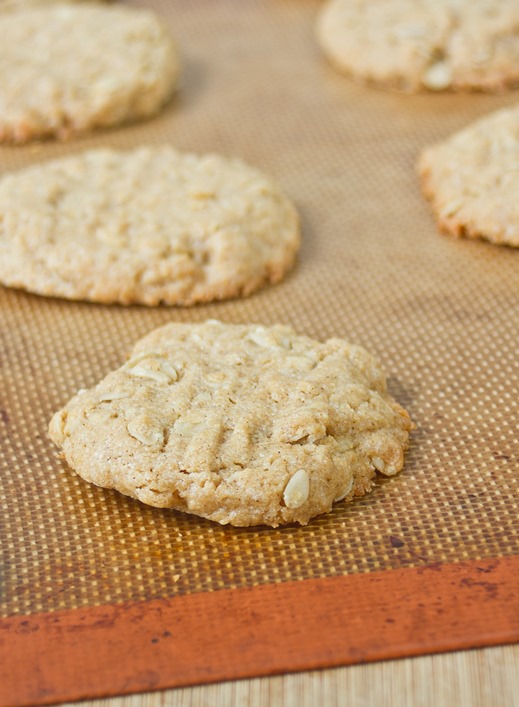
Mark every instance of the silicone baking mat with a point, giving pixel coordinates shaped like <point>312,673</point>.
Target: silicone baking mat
<point>102,595</point>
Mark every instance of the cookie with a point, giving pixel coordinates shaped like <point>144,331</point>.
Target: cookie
<point>472,179</point>
<point>241,424</point>
<point>147,226</point>
<point>24,4</point>
<point>70,68</point>
<point>414,45</point>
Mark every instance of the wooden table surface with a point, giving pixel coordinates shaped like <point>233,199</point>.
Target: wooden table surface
<point>478,678</point>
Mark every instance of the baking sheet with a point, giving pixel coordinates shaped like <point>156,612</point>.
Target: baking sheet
<point>441,314</point>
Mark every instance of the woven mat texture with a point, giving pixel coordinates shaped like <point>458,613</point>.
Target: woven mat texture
<point>441,314</point>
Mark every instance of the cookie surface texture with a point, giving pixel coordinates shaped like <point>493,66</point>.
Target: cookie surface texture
<point>241,424</point>
<point>472,179</point>
<point>415,45</point>
<point>70,68</point>
<point>148,226</point>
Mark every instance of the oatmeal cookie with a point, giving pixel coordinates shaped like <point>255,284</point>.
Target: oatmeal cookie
<point>472,179</point>
<point>241,424</point>
<point>148,226</point>
<point>415,45</point>
<point>70,68</point>
<point>16,5</point>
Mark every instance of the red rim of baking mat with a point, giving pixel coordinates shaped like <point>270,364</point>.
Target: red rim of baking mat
<point>255,631</point>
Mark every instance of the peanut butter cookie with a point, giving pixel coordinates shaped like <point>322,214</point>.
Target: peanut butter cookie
<point>17,5</point>
<point>472,179</point>
<point>70,68</point>
<point>415,45</point>
<point>240,424</point>
<point>147,226</point>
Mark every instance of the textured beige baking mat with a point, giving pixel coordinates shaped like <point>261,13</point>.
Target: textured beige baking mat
<point>441,314</point>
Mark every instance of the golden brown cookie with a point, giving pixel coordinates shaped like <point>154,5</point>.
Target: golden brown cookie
<point>17,5</point>
<point>241,424</point>
<point>70,68</point>
<point>472,179</point>
<point>414,45</point>
<point>147,226</point>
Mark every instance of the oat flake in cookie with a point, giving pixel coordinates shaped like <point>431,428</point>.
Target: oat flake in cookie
<point>472,179</point>
<point>414,45</point>
<point>245,425</point>
<point>148,226</point>
<point>69,68</point>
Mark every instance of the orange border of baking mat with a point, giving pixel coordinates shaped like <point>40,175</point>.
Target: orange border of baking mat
<point>252,631</point>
